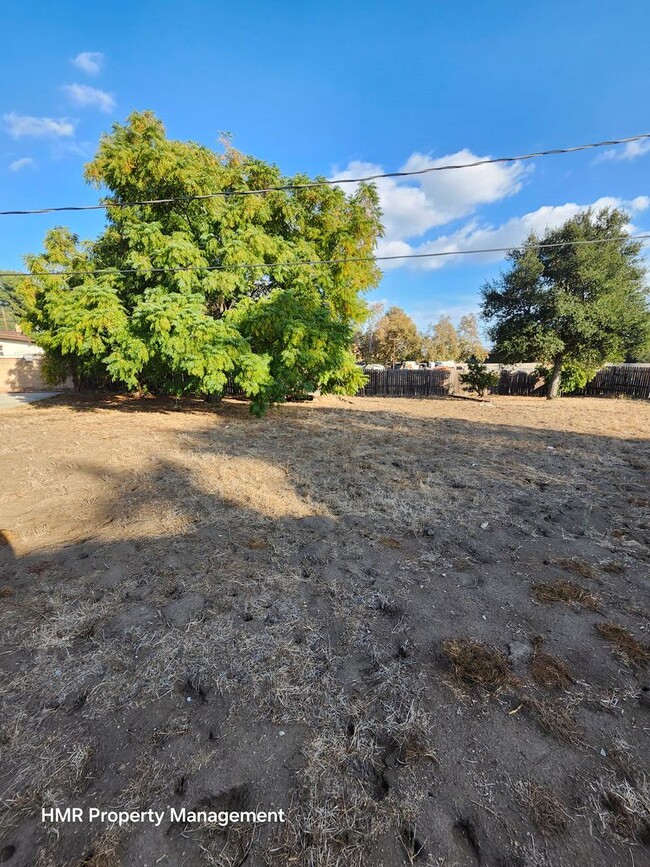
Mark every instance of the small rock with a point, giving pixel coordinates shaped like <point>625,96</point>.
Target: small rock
<point>469,581</point>
<point>519,652</point>
<point>485,525</point>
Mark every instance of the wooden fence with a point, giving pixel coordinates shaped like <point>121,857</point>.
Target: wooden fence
<point>620,379</point>
<point>410,383</point>
<point>615,379</point>
<point>519,382</point>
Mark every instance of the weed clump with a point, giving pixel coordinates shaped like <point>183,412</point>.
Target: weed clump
<point>565,591</point>
<point>547,671</point>
<point>624,645</point>
<point>579,567</point>
<point>623,810</point>
<point>547,812</point>
<point>554,718</point>
<point>477,665</point>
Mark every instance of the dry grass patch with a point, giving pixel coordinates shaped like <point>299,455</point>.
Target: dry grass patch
<point>346,800</point>
<point>477,665</point>
<point>103,853</point>
<point>624,645</point>
<point>547,812</point>
<point>554,718</point>
<point>623,810</point>
<point>612,567</point>
<point>565,591</point>
<point>578,567</point>
<point>548,671</point>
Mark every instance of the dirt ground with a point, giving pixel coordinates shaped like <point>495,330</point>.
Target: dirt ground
<point>420,627</point>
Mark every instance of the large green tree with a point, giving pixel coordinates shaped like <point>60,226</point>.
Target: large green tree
<point>572,303</point>
<point>273,331</point>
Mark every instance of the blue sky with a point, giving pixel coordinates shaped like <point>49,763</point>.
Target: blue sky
<point>333,87</point>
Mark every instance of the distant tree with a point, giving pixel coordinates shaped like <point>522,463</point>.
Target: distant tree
<point>365,340</point>
<point>397,337</point>
<point>572,302</point>
<point>11,309</point>
<point>441,341</point>
<point>470,344</point>
<point>274,332</point>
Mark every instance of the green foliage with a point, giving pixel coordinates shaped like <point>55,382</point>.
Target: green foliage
<point>575,375</point>
<point>273,331</point>
<point>11,310</point>
<point>478,378</point>
<point>572,302</point>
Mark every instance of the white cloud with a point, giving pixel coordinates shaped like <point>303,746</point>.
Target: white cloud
<point>83,96</point>
<point>458,192</point>
<point>22,163</point>
<point>23,126</point>
<point>89,61</point>
<point>412,206</point>
<point>474,236</point>
<point>630,151</point>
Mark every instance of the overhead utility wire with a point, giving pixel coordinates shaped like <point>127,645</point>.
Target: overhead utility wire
<point>300,263</point>
<point>327,183</point>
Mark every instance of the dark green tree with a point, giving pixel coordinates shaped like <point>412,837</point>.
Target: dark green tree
<point>273,331</point>
<point>571,303</point>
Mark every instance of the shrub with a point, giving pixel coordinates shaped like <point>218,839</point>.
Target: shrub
<point>478,378</point>
<point>575,375</point>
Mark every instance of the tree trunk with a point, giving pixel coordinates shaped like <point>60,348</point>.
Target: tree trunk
<point>554,383</point>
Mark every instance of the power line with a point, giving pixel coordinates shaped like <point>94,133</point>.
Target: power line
<point>303,263</point>
<point>334,182</point>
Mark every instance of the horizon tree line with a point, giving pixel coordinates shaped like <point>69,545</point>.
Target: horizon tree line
<point>391,336</point>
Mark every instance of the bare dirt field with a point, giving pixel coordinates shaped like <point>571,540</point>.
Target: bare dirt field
<point>420,627</point>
